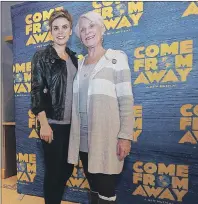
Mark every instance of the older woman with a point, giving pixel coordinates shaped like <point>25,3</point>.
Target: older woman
<point>102,111</point>
<point>53,71</point>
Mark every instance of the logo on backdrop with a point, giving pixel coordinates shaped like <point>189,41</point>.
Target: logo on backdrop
<point>26,167</point>
<point>192,9</point>
<point>138,122</point>
<point>22,78</point>
<point>163,65</point>
<point>36,28</point>
<point>32,124</point>
<point>78,178</point>
<point>160,181</point>
<point>119,16</point>
<point>189,123</point>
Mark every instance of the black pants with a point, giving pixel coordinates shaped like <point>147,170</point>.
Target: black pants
<point>104,184</point>
<point>57,170</point>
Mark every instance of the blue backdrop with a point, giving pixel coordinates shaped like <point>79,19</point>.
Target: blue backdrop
<point>161,41</point>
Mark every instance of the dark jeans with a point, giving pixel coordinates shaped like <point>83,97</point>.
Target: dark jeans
<point>104,184</point>
<point>57,170</point>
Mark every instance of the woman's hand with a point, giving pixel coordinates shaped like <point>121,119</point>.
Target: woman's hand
<point>46,133</point>
<point>123,148</point>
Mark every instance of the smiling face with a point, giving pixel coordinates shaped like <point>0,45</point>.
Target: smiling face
<point>61,31</point>
<point>90,33</point>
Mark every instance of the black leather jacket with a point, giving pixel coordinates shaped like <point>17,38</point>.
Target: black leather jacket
<point>48,82</point>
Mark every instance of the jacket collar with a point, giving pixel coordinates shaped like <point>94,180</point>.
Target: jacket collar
<point>110,54</point>
<point>53,54</point>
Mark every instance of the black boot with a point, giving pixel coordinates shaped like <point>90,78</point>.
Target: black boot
<point>101,201</point>
<point>93,197</point>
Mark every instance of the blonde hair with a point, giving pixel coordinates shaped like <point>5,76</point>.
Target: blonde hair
<point>94,17</point>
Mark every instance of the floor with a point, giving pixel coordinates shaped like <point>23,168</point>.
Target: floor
<point>10,195</point>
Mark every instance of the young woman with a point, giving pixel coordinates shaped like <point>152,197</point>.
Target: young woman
<point>102,111</point>
<point>53,71</point>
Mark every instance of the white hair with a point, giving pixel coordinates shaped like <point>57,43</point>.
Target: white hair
<point>94,17</point>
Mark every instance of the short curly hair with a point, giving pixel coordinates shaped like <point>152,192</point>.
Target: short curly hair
<point>60,14</point>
